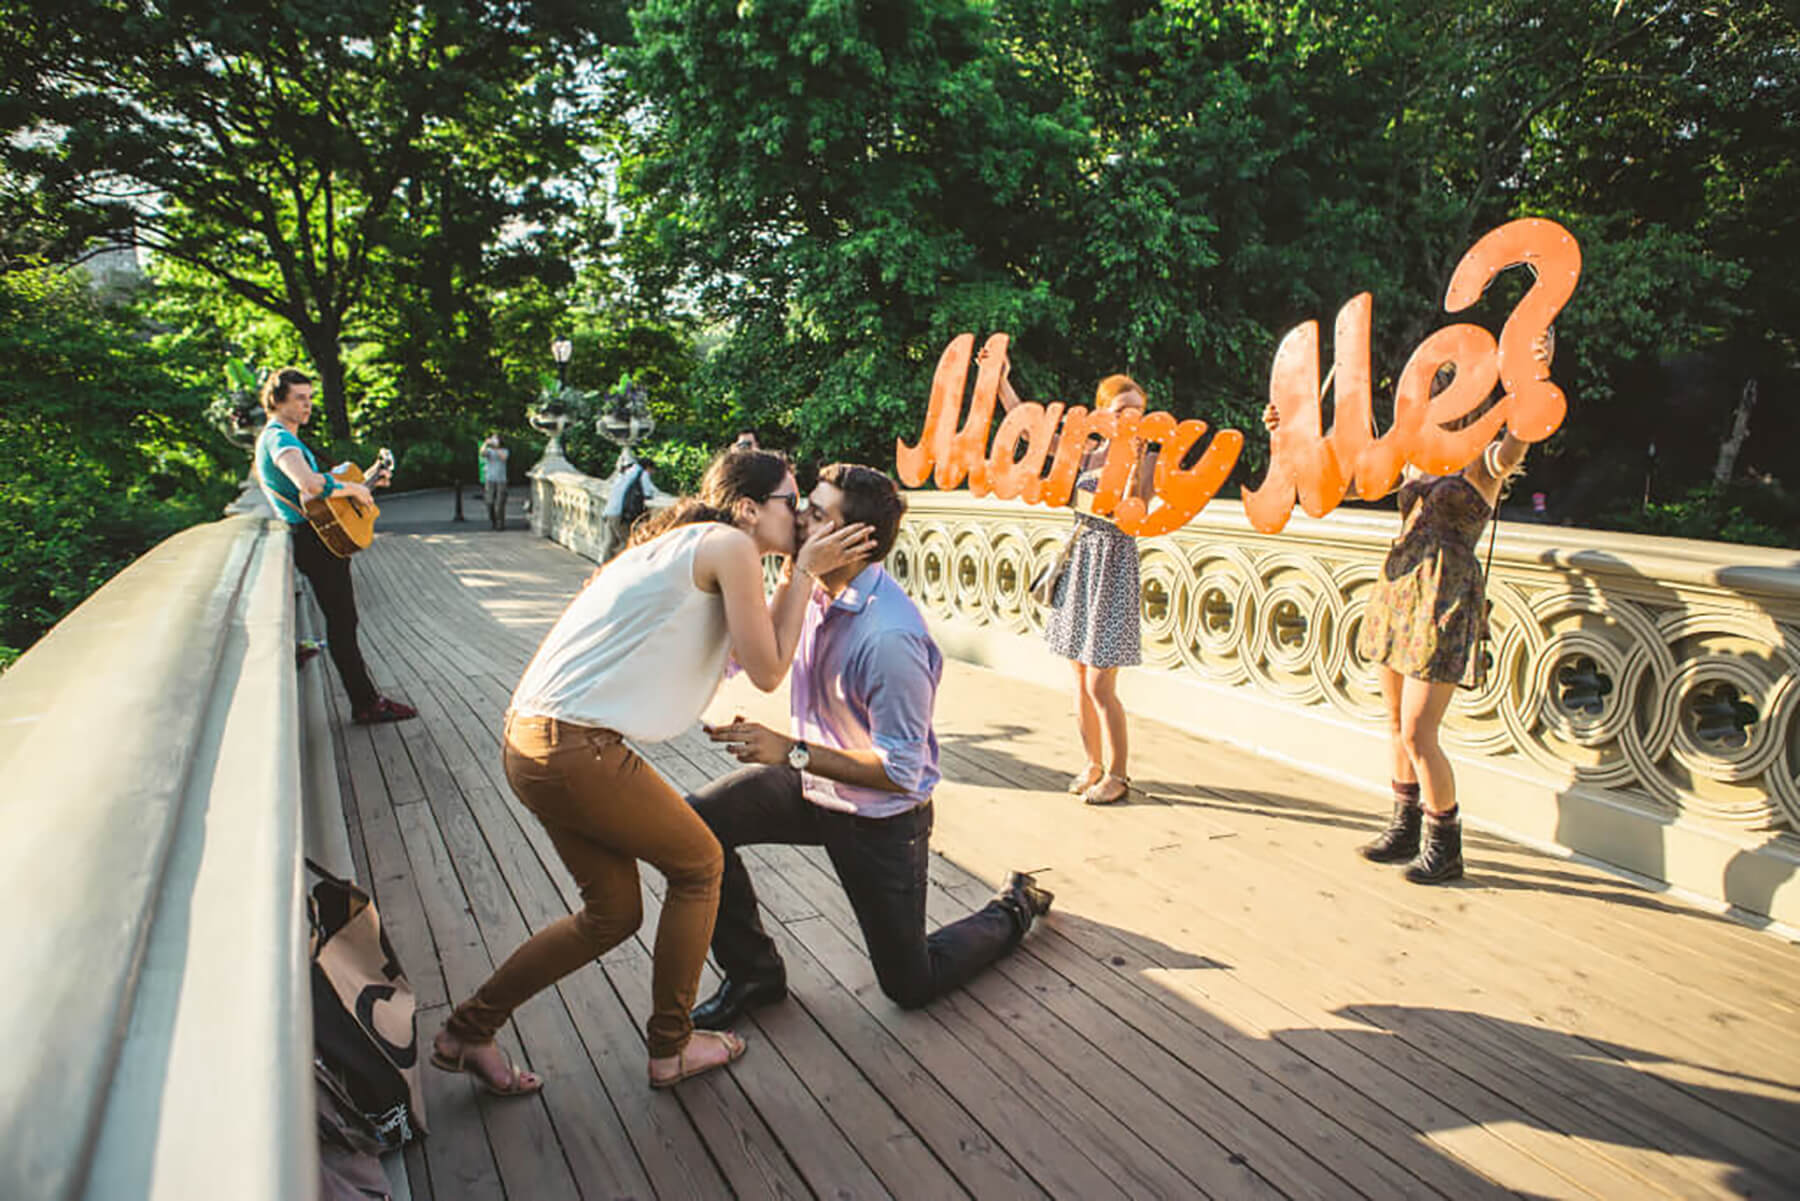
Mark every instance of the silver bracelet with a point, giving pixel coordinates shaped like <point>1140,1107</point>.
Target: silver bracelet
<point>1490,459</point>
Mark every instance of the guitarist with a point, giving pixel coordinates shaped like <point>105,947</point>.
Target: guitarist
<point>290,476</point>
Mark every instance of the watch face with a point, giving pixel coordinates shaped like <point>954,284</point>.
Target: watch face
<point>799,757</point>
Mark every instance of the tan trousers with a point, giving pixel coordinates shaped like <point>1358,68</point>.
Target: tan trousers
<point>604,809</point>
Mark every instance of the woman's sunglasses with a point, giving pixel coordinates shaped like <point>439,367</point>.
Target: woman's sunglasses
<point>794,501</point>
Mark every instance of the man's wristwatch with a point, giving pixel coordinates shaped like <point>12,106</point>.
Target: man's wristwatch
<point>799,755</point>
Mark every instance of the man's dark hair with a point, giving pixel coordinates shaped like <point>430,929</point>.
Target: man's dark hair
<point>870,498</point>
<point>275,388</point>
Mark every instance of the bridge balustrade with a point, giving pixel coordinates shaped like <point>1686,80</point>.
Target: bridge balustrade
<point>1642,704</point>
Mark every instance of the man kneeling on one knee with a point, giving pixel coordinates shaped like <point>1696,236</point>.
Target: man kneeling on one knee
<point>855,777</point>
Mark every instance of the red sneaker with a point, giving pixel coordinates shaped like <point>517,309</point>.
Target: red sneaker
<point>384,710</point>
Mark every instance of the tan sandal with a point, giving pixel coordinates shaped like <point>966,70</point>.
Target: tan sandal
<point>684,1071</point>
<point>1097,794</point>
<point>519,1083</point>
<point>1086,780</point>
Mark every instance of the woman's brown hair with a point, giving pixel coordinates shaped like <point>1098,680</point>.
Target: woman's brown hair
<point>733,475</point>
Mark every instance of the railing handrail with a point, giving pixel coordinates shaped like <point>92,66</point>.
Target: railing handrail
<point>160,1015</point>
<point>1764,571</point>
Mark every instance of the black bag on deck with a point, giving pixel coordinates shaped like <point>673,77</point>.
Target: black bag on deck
<point>363,1013</point>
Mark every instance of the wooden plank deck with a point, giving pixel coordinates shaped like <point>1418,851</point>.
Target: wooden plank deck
<point>1225,1002</point>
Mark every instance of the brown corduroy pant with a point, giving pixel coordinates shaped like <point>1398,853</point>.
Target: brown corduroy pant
<point>604,809</point>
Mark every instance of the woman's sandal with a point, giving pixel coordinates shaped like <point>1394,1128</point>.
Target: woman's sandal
<point>1087,779</point>
<point>733,1044</point>
<point>1099,795</point>
<point>522,1084</point>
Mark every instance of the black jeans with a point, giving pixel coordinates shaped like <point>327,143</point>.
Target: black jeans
<point>336,594</point>
<point>880,861</point>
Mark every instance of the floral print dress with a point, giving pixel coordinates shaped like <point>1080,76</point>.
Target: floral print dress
<point>1429,606</point>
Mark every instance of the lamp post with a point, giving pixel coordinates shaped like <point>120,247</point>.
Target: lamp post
<point>552,417</point>
<point>560,350</point>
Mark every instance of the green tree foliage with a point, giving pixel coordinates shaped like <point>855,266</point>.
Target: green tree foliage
<point>105,448</point>
<point>777,212</point>
<point>1164,188</point>
<point>845,185</point>
<point>312,158</point>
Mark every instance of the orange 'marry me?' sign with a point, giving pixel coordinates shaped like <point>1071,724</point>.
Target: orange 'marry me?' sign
<point>1315,467</point>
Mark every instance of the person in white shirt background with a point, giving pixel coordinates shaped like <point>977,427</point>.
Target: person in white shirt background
<point>493,479</point>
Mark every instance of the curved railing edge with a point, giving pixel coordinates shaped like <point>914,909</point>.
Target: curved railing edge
<point>151,857</point>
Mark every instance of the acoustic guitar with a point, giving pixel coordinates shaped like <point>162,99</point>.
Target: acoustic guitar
<point>346,525</point>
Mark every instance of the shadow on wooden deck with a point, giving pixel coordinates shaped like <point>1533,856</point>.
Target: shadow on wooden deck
<point>1225,1002</point>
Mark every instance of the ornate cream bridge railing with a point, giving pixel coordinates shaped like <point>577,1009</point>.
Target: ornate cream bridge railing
<point>1643,705</point>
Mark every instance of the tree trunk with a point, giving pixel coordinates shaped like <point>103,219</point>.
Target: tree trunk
<point>1733,442</point>
<point>328,357</point>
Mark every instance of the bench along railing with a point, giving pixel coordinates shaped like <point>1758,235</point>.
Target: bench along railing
<point>1643,705</point>
<point>157,1009</point>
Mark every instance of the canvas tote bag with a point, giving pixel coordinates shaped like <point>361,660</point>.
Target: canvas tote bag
<point>363,1012</point>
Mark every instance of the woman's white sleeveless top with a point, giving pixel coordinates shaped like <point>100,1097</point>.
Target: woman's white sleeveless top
<point>641,650</point>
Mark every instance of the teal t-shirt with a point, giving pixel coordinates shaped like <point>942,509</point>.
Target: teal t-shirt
<point>282,492</point>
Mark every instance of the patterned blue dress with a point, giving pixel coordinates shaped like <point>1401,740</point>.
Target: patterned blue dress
<point>1095,616</point>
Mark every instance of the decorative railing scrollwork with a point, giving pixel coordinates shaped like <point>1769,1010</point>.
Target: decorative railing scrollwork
<point>1664,672</point>
<point>1667,672</point>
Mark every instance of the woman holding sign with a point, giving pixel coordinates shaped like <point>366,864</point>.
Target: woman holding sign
<point>1422,630</point>
<point>1095,613</point>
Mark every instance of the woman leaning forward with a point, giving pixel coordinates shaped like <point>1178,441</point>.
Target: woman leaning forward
<point>638,655</point>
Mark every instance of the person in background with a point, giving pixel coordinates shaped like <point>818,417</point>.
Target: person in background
<point>629,496</point>
<point>637,656</point>
<point>746,440</point>
<point>1422,629</point>
<point>290,476</point>
<point>493,479</point>
<point>1096,614</point>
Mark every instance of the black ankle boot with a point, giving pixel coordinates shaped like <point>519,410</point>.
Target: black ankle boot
<point>1440,859</point>
<point>1400,841</point>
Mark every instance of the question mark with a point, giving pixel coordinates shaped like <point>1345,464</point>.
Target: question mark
<point>1534,405</point>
